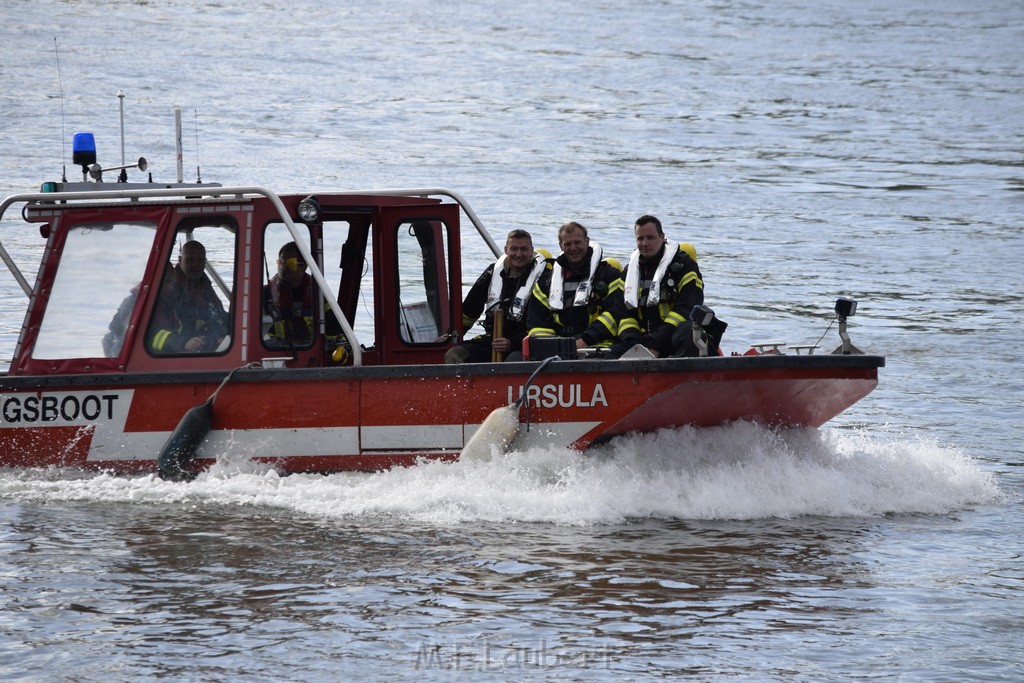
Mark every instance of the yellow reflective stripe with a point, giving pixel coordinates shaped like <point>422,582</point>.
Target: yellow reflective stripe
<point>160,339</point>
<point>616,285</point>
<point>278,329</point>
<point>542,332</point>
<point>608,320</point>
<point>541,296</point>
<point>627,324</point>
<point>690,277</point>
<point>674,319</point>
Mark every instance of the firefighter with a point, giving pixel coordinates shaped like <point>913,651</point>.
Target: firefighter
<point>189,316</point>
<point>504,286</point>
<point>662,284</point>
<point>577,296</point>
<point>289,299</point>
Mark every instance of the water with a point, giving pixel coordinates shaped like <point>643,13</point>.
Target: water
<point>809,150</point>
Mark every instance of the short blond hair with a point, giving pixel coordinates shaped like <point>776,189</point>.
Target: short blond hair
<point>572,226</point>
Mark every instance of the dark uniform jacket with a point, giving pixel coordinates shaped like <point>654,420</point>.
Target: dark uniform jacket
<point>681,288</point>
<point>291,310</point>
<point>593,322</point>
<point>186,309</point>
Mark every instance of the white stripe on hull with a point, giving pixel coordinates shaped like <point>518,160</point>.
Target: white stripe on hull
<point>240,443</point>
<point>333,441</point>
<point>412,437</point>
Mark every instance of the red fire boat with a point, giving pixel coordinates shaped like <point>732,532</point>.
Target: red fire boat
<point>368,389</point>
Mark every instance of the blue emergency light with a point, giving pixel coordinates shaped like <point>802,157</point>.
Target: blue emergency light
<point>83,150</point>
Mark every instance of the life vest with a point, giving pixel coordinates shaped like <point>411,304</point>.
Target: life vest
<point>582,290</point>
<point>518,305</point>
<point>587,299</point>
<point>644,296</point>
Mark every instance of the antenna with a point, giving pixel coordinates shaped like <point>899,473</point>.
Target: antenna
<point>123,178</point>
<point>199,177</point>
<point>120,98</point>
<point>63,142</point>
<point>177,141</point>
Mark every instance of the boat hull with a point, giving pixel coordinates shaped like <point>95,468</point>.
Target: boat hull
<point>368,418</point>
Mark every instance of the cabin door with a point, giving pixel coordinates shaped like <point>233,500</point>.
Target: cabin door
<point>417,280</point>
<point>417,300</point>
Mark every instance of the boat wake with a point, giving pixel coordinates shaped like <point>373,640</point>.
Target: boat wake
<point>741,471</point>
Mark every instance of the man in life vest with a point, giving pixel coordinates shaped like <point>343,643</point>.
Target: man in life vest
<point>662,284</point>
<point>503,288</point>
<point>189,316</point>
<point>289,300</point>
<point>577,296</point>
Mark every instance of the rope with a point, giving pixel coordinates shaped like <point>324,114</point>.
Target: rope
<point>213,396</point>
<point>817,343</point>
<point>526,387</point>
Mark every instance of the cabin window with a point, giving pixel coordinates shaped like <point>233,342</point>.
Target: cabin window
<point>192,314</point>
<point>94,291</point>
<point>424,306</point>
<point>292,310</point>
<point>340,254</point>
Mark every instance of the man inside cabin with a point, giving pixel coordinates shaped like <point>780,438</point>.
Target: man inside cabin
<point>662,284</point>
<point>288,299</point>
<point>189,316</point>
<point>502,291</point>
<point>576,297</point>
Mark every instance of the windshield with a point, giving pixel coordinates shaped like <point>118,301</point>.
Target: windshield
<point>100,270</point>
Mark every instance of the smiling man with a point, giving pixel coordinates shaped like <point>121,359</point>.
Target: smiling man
<point>504,286</point>
<point>576,296</point>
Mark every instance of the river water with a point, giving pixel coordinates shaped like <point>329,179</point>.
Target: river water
<point>809,149</point>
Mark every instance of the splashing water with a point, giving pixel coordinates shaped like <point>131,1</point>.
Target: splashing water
<point>741,471</point>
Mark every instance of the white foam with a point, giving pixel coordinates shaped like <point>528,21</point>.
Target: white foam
<point>742,471</point>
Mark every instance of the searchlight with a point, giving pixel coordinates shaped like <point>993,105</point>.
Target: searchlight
<point>845,308</point>
<point>309,209</point>
<point>700,317</point>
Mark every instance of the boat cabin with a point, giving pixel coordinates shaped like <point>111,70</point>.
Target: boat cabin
<point>379,278</point>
